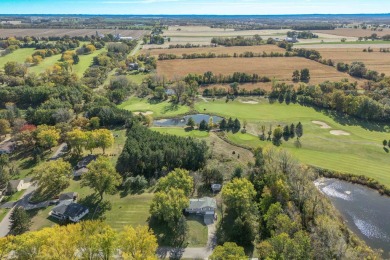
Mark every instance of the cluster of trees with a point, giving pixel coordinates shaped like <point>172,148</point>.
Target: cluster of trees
<point>214,91</point>
<point>9,45</point>
<point>171,197</point>
<point>386,145</point>
<point>89,48</point>
<point>230,124</point>
<point>386,50</point>
<point>85,240</point>
<point>150,153</point>
<point>78,140</point>
<point>239,77</point>
<point>120,87</point>
<point>187,45</point>
<point>302,35</point>
<point>303,75</point>
<point>280,132</point>
<point>117,52</point>
<point>279,209</point>
<point>238,41</point>
<point>358,69</point>
<point>308,54</point>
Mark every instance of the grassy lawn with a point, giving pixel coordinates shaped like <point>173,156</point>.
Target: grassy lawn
<point>181,132</point>
<point>3,212</point>
<point>359,153</point>
<point>45,64</point>
<point>19,55</point>
<point>161,109</point>
<point>137,77</point>
<point>14,197</point>
<point>85,62</point>
<point>197,232</point>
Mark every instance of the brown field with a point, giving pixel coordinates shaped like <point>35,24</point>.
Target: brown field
<point>374,60</point>
<point>278,68</point>
<point>71,32</point>
<point>217,50</point>
<point>350,32</point>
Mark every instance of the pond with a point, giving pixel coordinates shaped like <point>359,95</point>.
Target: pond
<point>183,120</point>
<point>364,210</point>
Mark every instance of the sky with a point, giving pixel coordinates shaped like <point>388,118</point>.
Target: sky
<point>219,7</point>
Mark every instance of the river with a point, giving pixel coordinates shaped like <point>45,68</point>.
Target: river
<point>364,210</point>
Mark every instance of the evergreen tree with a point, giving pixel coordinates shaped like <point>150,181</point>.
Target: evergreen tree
<point>223,124</point>
<point>191,122</point>
<point>20,221</point>
<point>230,123</point>
<point>203,125</point>
<point>292,131</point>
<point>237,125</point>
<point>299,130</point>
<point>286,132</point>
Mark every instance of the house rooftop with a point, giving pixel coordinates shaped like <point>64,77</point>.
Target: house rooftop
<point>202,203</point>
<point>68,196</point>
<point>70,209</point>
<point>79,172</point>
<point>14,183</point>
<point>86,160</point>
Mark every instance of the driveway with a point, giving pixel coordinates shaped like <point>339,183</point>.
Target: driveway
<point>192,252</point>
<point>59,152</point>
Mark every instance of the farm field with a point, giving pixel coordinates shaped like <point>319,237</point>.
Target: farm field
<point>280,68</point>
<point>70,32</point>
<point>375,60</point>
<point>19,56</point>
<point>161,109</point>
<point>217,50</point>
<point>351,32</point>
<point>359,153</point>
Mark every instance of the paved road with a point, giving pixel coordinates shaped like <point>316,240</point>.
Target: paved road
<point>191,252</point>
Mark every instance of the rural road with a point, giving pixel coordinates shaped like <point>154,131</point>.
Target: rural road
<point>191,252</point>
<point>23,202</point>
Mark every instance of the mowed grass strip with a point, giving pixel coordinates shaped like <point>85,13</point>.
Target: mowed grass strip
<point>160,109</point>
<point>179,131</point>
<point>20,56</point>
<point>280,68</point>
<point>217,50</point>
<point>359,153</point>
<point>85,62</point>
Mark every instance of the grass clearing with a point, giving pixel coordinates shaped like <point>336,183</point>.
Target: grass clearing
<point>85,62</point>
<point>280,68</point>
<point>217,50</point>
<point>359,153</point>
<point>45,64</point>
<point>161,109</point>
<point>20,56</point>
<point>352,32</point>
<point>179,131</point>
<point>197,232</point>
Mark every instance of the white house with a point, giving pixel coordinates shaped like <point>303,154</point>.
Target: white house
<point>69,210</point>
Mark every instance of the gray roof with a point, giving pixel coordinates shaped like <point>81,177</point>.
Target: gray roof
<point>68,196</point>
<point>86,160</point>
<point>202,203</point>
<point>80,171</point>
<point>70,210</point>
<point>14,183</point>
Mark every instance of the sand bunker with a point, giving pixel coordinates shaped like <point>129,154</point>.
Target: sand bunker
<point>321,124</point>
<point>339,132</point>
<point>143,113</point>
<point>250,102</point>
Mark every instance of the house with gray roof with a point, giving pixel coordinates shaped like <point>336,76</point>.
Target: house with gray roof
<point>69,210</point>
<point>205,206</point>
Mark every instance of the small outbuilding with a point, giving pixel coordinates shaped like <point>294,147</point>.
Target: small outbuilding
<point>216,187</point>
<point>69,196</point>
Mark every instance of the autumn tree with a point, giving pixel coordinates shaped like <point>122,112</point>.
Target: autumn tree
<point>138,243</point>
<point>296,76</point>
<point>52,177</point>
<point>101,177</point>
<point>20,221</point>
<point>5,127</point>
<point>77,140</point>
<point>103,138</point>
<point>167,206</point>
<point>229,251</point>
<point>177,179</point>
<point>48,138</point>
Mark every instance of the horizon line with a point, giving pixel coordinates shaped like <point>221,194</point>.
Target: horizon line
<point>100,14</point>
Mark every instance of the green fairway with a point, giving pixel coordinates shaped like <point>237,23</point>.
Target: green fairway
<point>359,153</point>
<point>85,62</point>
<point>20,55</point>
<point>45,64</point>
<point>181,132</point>
<point>161,109</point>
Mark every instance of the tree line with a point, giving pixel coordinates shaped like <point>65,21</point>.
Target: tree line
<point>239,77</point>
<point>150,154</point>
<point>238,41</point>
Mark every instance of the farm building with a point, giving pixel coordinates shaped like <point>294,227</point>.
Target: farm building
<point>69,211</point>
